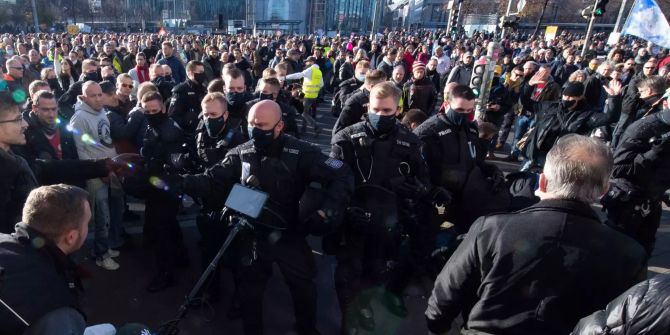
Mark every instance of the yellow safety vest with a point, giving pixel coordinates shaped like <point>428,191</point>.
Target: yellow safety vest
<point>311,86</point>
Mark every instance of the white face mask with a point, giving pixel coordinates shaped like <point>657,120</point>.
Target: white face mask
<point>10,52</point>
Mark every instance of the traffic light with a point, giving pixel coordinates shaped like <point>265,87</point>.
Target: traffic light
<point>477,77</point>
<point>600,7</point>
<point>453,22</point>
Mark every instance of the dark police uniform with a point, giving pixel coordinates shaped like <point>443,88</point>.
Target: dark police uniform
<point>185,105</point>
<point>162,204</point>
<point>641,174</point>
<point>455,158</point>
<point>283,170</point>
<point>352,110</point>
<point>211,151</point>
<point>387,161</point>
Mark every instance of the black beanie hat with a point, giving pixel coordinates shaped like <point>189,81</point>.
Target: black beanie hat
<point>574,89</point>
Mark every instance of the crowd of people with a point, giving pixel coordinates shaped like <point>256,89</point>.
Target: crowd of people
<point>409,188</point>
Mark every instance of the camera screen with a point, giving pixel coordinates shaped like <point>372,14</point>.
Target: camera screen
<point>247,201</point>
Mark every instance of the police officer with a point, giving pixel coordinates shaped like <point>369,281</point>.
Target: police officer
<point>215,136</point>
<point>454,155</point>
<point>163,139</point>
<point>281,166</point>
<point>385,154</point>
<point>640,176</point>
<point>270,89</point>
<point>186,97</point>
<point>236,94</point>
<point>356,106</point>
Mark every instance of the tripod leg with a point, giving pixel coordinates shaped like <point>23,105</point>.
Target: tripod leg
<point>172,327</point>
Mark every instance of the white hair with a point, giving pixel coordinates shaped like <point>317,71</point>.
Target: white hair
<point>578,167</point>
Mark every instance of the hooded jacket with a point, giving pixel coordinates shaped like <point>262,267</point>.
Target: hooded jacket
<point>94,140</point>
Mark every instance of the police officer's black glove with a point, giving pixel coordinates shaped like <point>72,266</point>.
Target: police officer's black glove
<point>317,224</point>
<point>440,197</point>
<point>495,177</point>
<point>358,218</point>
<point>411,188</point>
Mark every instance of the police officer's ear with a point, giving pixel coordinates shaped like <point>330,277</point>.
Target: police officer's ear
<point>278,128</point>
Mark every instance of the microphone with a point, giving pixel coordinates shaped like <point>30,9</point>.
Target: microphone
<point>252,181</point>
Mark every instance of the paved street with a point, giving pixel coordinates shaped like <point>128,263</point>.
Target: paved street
<point>119,296</point>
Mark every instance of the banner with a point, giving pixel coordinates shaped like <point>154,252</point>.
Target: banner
<point>646,20</point>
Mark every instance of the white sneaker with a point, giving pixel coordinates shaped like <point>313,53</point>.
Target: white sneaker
<point>113,253</point>
<point>107,264</point>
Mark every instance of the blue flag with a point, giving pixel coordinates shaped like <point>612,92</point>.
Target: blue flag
<point>646,20</point>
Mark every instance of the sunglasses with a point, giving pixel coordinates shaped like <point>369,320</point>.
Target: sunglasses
<point>517,74</point>
<point>127,85</point>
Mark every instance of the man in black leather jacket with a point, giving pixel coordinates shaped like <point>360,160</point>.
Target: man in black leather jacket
<point>539,270</point>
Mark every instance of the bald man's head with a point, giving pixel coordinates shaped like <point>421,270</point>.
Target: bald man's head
<point>264,122</point>
<point>92,95</point>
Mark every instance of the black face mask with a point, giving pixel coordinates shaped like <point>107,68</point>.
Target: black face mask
<point>567,104</point>
<point>155,120</point>
<point>263,96</point>
<point>455,117</point>
<point>262,138</point>
<point>92,76</point>
<point>200,78</point>
<point>214,126</point>
<point>235,99</point>
<point>168,77</point>
<point>381,124</point>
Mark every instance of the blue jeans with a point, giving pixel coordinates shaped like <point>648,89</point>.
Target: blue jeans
<point>116,209</point>
<point>99,198</point>
<point>523,123</point>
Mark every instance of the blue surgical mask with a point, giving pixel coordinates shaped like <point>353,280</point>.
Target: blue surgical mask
<point>360,77</point>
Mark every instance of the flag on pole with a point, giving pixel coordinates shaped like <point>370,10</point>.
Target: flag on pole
<point>647,21</point>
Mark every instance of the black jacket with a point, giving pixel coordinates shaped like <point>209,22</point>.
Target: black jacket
<point>38,278</point>
<point>212,150</point>
<point>352,110</point>
<point>419,94</point>
<point>643,164</point>
<point>536,271</point>
<point>643,309</point>
<point>16,182</point>
<point>455,158</point>
<point>284,171</point>
<point>185,105</point>
<point>129,129</point>
<point>160,143</point>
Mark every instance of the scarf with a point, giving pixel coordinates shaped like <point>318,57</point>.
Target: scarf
<point>142,73</point>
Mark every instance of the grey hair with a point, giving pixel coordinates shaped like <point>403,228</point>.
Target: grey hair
<point>578,167</point>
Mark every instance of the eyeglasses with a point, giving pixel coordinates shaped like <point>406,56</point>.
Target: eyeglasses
<point>517,74</point>
<point>18,119</point>
<point>127,85</point>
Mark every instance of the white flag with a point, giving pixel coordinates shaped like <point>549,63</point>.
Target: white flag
<point>646,20</point>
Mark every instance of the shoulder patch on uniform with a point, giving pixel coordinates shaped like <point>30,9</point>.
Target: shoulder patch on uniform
<point>334,163</point>
<point>357,135</point>
<point>292,151</point>
<point>444,132</point>
<point>247,151</point>
<point>191,93</point>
